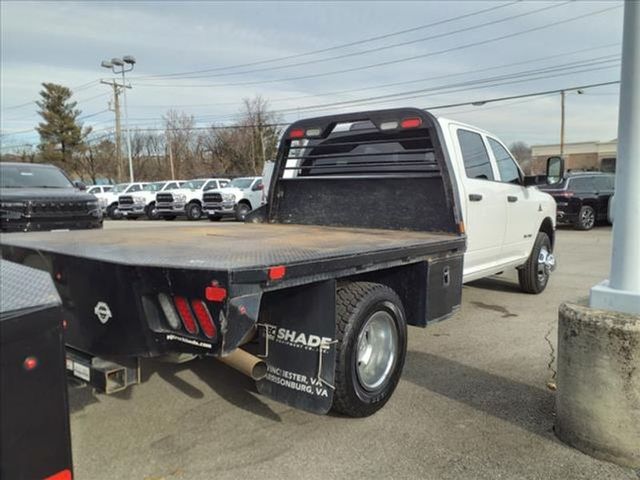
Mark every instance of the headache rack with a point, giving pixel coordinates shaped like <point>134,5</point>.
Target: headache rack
<point>381,169</point>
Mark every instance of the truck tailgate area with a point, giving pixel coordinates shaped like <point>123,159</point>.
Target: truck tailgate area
<point>232,246</point>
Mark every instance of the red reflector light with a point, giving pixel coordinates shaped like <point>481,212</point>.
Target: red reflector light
<point>185,314</point>
<point>411,123</point>
<point>61,475</point>
<point>215,293</point>
<point>30,363</point>
<point>296,133</point>
<point>204,318</point>
<point>276,273</point>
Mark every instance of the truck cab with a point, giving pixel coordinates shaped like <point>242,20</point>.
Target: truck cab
<point>187,200</point>
<point>143,202</point>
<point>236,199</point>
<point>506,220</point>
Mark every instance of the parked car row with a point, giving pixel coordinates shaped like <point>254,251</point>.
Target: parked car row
<point>214,198</point>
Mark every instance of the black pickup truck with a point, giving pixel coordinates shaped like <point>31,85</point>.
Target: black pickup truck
<point>319,285</point>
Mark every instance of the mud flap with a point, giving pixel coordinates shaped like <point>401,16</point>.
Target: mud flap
<point>297,337</point>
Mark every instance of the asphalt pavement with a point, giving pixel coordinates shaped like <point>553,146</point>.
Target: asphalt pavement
<point>473,403</point>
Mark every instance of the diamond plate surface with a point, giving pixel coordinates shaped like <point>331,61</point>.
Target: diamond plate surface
<point>223,246</point>
<point>24,287</point>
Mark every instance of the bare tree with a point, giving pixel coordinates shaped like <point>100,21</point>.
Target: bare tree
<point>522,152</point>
<point>97,160</point>
<point>179,128</point>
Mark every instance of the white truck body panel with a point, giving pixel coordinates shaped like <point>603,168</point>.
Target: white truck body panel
<point>501,218</point>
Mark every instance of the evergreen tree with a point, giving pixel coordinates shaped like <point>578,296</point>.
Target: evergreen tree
<point>60,132</point>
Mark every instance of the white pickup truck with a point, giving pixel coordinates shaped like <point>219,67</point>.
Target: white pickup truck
<point>235,200</point>
<point>509,222</point>
<point>187,200</point>
<point>110,202</point>
<point>143,202</point>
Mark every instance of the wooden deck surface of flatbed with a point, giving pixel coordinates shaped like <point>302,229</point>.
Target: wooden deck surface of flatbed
<point>228,246</point>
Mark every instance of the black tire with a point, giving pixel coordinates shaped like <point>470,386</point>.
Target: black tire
<point>152,212</point>
<point>169,217</point>
<point>242,210</point>
<point>586,218</point>
<point>356,303</point>
<point>193,211</point>
<point>214,218</point>
<point>529,277</point>
<point>113,213</point>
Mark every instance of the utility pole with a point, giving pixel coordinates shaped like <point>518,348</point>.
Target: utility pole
<point>116,110</point>
<point>562,95</point>
<point>122,66</point>
<point>170,150</point>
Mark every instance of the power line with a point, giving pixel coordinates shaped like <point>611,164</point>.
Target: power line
<point>394,84</point>
<point>336,47</point>
<point>384,47</point>
<point>513,97</point>
<point>73,89</point>
<point>501,80</point>
<point>395,61</point>
<point>433,107</point>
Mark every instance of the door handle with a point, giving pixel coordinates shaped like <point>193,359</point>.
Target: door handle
<point>475,197</point>
<point>512,199</point>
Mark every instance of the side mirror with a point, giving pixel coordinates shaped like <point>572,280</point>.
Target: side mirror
<point>79,185</point>
<point>257,187</point>
<point>555,170</point>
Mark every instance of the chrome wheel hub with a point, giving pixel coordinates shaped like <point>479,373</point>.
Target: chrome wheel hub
<point>376,350</point>
<point>546,263</point>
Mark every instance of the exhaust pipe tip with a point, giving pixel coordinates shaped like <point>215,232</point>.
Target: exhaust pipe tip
<point>245,363</point>
<point>259,370</point>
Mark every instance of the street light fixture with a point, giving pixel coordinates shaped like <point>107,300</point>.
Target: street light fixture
<point>121,62</point>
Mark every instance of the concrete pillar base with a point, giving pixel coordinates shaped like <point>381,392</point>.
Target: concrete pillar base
<point>598,396</point>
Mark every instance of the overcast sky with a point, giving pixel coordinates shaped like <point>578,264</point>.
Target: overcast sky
<point>442,60</point>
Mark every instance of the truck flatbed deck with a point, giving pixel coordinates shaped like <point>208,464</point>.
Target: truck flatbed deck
<point>361,235</point>
<point>232,246</point>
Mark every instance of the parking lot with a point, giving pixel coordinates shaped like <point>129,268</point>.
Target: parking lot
<point>473,402</point>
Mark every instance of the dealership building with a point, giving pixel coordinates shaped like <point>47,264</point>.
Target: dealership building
<point>578,156</point>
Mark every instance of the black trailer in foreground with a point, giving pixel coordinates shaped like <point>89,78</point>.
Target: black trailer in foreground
<point>35,439</point>
<point>320,287</point>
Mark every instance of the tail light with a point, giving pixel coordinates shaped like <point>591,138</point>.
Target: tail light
<point>411,123</point>
<point>30,363</point>
<point>61,475</point>
<point>564,194</point>
<point>182,305</point>
<point>277,273</point>
<point>169,311</point>
<point>296,133</point>
<point>204,318</point>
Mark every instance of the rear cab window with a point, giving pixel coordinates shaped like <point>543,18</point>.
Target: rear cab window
<point>474,155</point>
